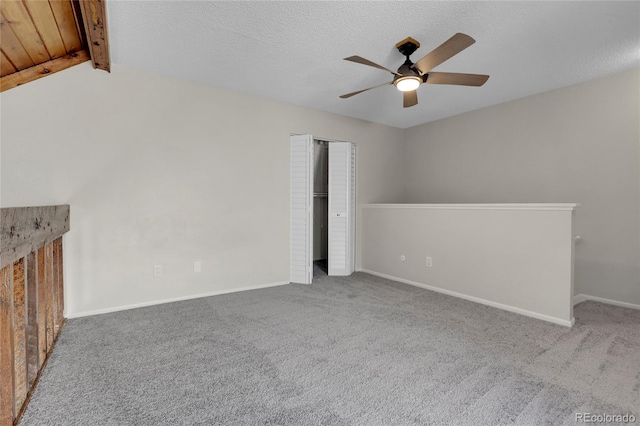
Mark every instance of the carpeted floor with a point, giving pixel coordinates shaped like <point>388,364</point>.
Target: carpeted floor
<point>356,350</point>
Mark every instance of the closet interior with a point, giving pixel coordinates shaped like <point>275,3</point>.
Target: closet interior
<point>320,207</point>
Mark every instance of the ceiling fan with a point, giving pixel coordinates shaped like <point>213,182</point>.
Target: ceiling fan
<point>410,76</point>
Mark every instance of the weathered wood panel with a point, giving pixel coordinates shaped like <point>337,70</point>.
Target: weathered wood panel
<point>32,318</point>
<point>49,295</point>
<point>19,335</point>
<point>31,301</point>
<point>54,289</point>
<point>59,266</point>
<point>6,346</point>
<point>25,229</point>
<point>42,312</point>
<point>94,16</point>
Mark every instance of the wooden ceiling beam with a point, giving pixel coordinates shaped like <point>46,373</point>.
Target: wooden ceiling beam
<point>95,24</point>
<point>38,71</point>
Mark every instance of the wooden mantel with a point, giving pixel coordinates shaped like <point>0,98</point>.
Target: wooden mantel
<point>31,300</point>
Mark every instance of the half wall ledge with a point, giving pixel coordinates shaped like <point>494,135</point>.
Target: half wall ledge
<point>25,229</point>
<point>478,206</point>
<point>516,257</point>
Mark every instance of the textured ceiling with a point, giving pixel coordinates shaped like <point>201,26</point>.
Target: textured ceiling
<point>292,51</point>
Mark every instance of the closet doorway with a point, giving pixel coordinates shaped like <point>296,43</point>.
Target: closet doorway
<point>320,207</point>
<point>322,203</point>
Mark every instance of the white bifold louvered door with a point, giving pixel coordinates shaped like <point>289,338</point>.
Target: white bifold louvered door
<point>301,209</point>
<point>342,200</point>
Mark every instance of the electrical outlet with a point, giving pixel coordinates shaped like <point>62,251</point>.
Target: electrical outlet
<point>197,266</point>
<point>157,270</point>
<point>402,257</point>
<point>429,262</point>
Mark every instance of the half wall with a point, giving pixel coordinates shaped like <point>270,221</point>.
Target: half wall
<point>517,257</point>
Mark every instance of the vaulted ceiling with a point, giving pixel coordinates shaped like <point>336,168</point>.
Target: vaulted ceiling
<point>293,51</point>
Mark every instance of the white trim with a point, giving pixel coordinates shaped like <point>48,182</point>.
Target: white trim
<point>579,298</point>
<point>496,206</point>
<point>584,297</point>
<point>319,139</point>
<point>175,299</point>
<point>509,308</point>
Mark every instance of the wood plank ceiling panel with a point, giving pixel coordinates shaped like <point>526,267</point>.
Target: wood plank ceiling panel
<point>6,67</point>
<point>12,47</point>
<point>41,37</point>
<point>65,19</point>
<point>44,21</point>
<point>18,19</point>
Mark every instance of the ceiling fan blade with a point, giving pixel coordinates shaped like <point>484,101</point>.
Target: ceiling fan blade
<point>410,98</point>
<point>456,78</point>
<point>446,50</point>
<point>364,61</point>
<point>348,95</point>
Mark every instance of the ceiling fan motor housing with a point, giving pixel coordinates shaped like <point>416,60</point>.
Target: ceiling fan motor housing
<point>407,47</point>
<point>408,69</point>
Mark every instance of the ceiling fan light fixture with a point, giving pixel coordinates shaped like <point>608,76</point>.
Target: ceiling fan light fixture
<point>407,83</point>
<point>411,75</point>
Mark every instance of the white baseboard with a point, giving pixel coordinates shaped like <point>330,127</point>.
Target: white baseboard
<point>175,299</point>
<point>584,297</point>
<point>509,308</point>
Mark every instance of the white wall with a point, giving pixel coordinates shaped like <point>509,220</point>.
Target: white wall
<point>162,171</point>
<point>576,144</point>
<point>515,257</point>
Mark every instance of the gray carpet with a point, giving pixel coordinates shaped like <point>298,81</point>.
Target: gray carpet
<point>359,350</point>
